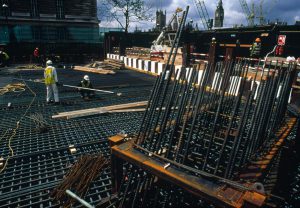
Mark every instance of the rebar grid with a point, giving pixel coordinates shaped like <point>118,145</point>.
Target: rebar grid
<point>43,158</point>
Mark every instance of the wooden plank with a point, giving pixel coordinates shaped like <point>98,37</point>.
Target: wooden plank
<point>296,86</point>
<point>111,107</point>
<point>100,110</point>
<point>128,110</point>
<point>93,70</point>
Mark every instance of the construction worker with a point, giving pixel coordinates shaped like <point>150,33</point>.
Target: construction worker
<point>86,83</point>
<point>255,48</point>
<point>36,55</point>
<point>4,58</point>
<point>51,82</point>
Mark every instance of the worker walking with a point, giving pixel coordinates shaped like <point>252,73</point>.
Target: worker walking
<point>51,82</point>
<point>86,83</point>
<point>36,55</point>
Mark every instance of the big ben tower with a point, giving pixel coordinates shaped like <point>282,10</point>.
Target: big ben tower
<point>219,15</point>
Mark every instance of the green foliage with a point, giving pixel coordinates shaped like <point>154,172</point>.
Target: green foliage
<point>126,12</point>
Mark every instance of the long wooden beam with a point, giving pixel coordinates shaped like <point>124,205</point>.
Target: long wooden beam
<point>100,110</point>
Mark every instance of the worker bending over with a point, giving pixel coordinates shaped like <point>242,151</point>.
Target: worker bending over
<point>86,83</point>
<point>51,82</point>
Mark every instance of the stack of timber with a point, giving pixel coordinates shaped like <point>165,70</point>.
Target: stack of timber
<point>138,52</point>
<point>94,70</point>
<point>108,109</point>
<point>114,64</point>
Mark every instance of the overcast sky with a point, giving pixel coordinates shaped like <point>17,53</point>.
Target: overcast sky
<point>284,10</point>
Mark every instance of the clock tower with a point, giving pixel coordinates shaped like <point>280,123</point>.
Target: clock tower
<point>219,15</point>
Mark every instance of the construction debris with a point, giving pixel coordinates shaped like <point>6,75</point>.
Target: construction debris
<point>30,66</point>
<point>106,67</point>
<point>72,149</point>
<point>17,87</point>
<point>40,122</point>
<point>80,176</point>
<point>113,64</point>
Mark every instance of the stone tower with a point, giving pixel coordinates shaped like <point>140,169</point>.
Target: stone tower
<point>219,15</point>
<point>160,20</point>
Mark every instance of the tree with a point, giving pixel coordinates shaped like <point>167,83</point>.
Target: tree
<point>125,12</point>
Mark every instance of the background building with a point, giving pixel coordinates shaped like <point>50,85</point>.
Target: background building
<point>55,26</point>
<point>160,20</point>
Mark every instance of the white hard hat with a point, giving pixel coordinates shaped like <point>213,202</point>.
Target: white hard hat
<point>86,77</point>
<point>49,62</point>
<point>290,58</point>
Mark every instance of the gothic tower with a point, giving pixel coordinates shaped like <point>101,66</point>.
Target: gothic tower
<point>219,15</point>
<point>160,20</point>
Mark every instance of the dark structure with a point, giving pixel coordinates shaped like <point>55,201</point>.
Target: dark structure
<point>200,40</point>
<point>55,26</point>
<point>219,15</point>
<point>160,20</point>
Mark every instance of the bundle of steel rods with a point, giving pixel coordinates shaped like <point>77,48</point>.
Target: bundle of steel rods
<point>214,118</point>
<point>39,121</point>
<point>217,119</point>
<point>80,176</point>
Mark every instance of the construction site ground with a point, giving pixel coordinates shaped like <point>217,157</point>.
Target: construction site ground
<point>40,160</point>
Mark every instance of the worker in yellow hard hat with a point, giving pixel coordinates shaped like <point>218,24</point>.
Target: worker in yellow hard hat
<point>51,82</point>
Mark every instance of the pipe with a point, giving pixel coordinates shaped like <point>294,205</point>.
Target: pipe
<point>81,201</point>
<point>104,91</point>
<point>70,86</point>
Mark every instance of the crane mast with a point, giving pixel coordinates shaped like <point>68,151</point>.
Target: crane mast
<point>249,14</point>
<point>202,11</point>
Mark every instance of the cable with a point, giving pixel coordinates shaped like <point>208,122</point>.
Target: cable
<point>17,126</point>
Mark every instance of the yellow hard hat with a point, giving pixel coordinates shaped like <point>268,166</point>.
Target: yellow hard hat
<point>257,40</point>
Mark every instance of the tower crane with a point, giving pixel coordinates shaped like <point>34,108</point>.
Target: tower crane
<point>256,12</point>
<point>202,11</point>
<point>261,17</point>
<point>250,16</point>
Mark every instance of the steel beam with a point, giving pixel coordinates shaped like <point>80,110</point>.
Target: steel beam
<point>221,194</point>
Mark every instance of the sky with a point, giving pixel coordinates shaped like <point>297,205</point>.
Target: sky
<point>284,10</point>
